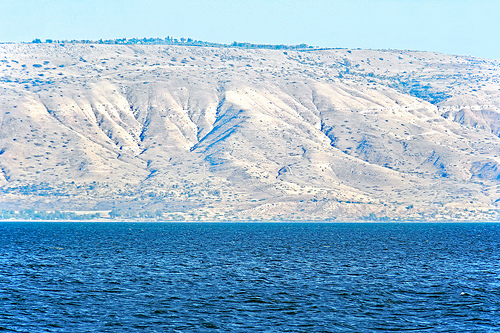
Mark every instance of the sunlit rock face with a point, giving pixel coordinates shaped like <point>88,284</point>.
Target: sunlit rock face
<point>226,133</point>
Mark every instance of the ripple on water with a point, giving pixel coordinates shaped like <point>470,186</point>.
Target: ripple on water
<point>249,277</point>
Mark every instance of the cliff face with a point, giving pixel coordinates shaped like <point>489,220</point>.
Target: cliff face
<point>224,133</point>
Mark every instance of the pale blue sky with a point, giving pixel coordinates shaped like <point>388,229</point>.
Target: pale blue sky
<point>447,26</point>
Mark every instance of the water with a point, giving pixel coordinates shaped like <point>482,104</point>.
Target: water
<point>167,277</point>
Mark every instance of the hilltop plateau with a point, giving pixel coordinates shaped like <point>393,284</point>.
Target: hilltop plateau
<point>224,133</point>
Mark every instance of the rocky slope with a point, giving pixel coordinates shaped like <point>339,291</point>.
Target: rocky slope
<point>203,133</point>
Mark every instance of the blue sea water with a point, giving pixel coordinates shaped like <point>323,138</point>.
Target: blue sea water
<point>231,277</point>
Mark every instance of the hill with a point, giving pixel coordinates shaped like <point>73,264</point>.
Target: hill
<point>219,133</point>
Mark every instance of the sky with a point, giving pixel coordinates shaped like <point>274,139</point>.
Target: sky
<point>463,27</point>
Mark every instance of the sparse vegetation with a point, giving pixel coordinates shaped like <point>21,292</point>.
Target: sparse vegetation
<point>176,41</point>
<point>246,131</point>
<point>30,214</point>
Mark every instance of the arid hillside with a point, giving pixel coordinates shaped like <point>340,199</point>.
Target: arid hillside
<point>206,133</point>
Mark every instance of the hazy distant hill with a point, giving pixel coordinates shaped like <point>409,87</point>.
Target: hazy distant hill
<point>228,133</point>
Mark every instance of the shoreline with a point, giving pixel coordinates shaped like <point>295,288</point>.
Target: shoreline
<point>250,221</point>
